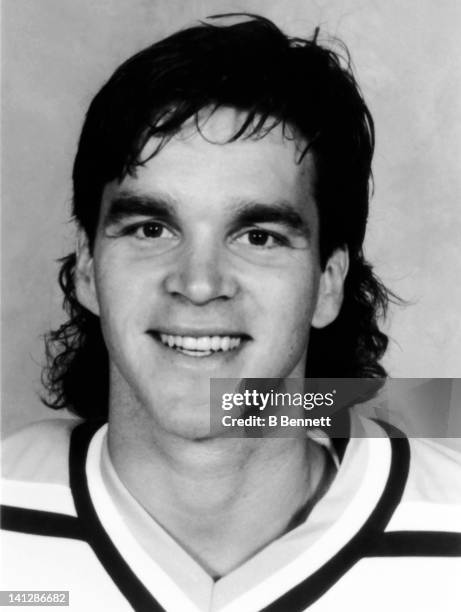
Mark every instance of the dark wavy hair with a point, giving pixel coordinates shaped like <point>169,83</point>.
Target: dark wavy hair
<point>274,79</point>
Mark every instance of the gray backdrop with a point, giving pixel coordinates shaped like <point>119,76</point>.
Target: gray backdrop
<point>56,53</point>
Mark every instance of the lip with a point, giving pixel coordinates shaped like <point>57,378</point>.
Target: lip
<point>216,359</point>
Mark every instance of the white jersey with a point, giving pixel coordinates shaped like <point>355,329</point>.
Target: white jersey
<point>385,536</point>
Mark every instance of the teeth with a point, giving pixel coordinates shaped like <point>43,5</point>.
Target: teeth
<point>216,343</point>
<point>188,343</point>
<point>203,345</point>
<point>234,342</point>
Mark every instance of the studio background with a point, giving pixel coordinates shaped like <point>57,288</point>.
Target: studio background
<point>57,53</point>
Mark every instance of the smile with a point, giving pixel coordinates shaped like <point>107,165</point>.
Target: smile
<point>200,346</point>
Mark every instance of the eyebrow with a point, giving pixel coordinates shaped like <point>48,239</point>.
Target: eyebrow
<point>126,205</point>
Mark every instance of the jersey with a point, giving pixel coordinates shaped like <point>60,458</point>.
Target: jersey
<point>386,535</point>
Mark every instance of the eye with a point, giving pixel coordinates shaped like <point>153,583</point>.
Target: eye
<point>262,238</point>
<point>258,238</point>
<point>151,229</point>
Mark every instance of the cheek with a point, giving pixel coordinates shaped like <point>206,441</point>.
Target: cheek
<point>288,302</point>
<point>121,296</point>
<point>294,287</point>
<point>297,319</point>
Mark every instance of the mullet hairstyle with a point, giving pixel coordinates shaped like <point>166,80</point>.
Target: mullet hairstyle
<point>273,79</point>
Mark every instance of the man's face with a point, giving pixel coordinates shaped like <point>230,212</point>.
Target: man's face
<point>205,265</point>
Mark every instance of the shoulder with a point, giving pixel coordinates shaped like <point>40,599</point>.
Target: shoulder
<point>431,500</point>
<point>38,452</point>
<point>435,472</point>
<point>35,467</point>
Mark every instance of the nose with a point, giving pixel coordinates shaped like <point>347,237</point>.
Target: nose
<point>201,274</point>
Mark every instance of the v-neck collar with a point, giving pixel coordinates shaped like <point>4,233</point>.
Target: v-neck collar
<point>155,573</point>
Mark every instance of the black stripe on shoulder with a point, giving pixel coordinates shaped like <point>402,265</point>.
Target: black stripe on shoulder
<point>417,544</point>
<point>40,522</point>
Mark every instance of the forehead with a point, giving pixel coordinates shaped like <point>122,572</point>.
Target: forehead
<point>199,165</point>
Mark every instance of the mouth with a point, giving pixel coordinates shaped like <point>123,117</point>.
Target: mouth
<point>201,346</point>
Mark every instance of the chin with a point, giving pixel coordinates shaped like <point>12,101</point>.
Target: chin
<point>191,429</point>
<point>185,419</point>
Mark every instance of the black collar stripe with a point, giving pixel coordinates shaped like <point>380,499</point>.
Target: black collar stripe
<point>340,436</point>
<point>114,564</point>
<point>40,522</point>
<point>299,597</point>
<point>312,588</point>
<point>418,544</point>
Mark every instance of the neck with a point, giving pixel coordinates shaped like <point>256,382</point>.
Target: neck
<point>199,490</point>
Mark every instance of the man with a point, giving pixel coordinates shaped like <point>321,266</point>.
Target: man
<point>221,191</point>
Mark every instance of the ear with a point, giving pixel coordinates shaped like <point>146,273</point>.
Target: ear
<point>331,289</point>
<point>85,288</point>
